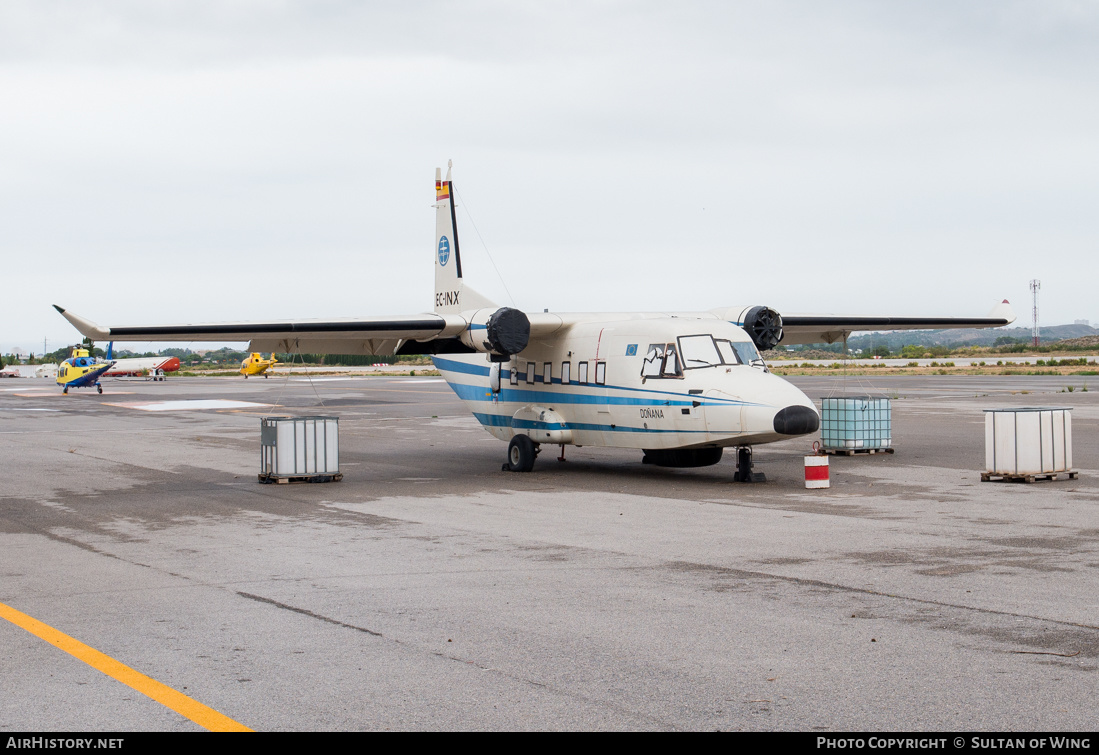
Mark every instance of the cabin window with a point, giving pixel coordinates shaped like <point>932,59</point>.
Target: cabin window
<point>600,373</point>
<point>514,374</point>
<point>547,373</point>
<point>582,373</point>
<point>566,370</point>
<point>530,372</point>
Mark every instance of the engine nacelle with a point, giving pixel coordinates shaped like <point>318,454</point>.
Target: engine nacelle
<point>762,324</point>
<point>501,333</point>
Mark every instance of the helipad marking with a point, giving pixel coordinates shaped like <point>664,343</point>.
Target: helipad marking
<point>189,405</point>
<point>204,716</point>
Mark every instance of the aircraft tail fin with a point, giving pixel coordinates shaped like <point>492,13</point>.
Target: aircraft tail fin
<point>452,296</point>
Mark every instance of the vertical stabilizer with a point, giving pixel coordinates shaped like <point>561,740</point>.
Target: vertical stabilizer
<point>452,296</point>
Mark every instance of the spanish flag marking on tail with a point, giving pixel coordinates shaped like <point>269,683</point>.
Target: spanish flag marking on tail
<point>442,190</point>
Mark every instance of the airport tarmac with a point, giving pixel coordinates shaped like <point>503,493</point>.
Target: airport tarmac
<point>431,591</point>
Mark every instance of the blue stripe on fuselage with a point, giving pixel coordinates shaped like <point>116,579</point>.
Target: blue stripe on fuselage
<point>502,420</point>
<point>521,395</point>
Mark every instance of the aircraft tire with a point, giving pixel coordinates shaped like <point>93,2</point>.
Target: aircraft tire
<point>65,392</point>
<point>99,388</point>
<point>521,453</point>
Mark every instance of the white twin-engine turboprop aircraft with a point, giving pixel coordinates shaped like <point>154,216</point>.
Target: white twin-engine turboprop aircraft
<point>681,386</point>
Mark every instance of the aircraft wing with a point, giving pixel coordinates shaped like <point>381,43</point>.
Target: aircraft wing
<point>810,328</point>
<point>373,336</point>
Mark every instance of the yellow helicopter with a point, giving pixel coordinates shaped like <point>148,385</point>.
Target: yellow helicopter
<point>81,370</point>
<point>255,364</point>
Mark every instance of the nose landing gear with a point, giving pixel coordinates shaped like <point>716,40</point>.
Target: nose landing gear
<point>744,471</point>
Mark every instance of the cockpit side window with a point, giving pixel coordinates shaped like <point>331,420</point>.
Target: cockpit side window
<point>654,361</point>
<point>671,364</point>
<point>746,350</point>
<point>661,362</point>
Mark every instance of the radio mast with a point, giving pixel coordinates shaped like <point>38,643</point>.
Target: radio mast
<point>1034,286</point>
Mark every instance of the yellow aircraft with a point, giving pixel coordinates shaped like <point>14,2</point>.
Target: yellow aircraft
<point>255,364</point>
<point>81,370</point>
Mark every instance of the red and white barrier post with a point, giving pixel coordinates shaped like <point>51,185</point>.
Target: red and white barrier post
<point>816,472</point>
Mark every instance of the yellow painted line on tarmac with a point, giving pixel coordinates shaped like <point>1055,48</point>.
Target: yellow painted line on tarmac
<point>204,716</point>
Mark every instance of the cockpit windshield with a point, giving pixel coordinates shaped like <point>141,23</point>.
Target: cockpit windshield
<point>697,352</point>
<point>706,351</point>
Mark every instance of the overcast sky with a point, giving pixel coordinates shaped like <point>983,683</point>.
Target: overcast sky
<point>171,162</point>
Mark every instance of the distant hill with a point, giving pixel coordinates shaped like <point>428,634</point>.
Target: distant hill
<point>966,336</point>
<point>1084,342</point>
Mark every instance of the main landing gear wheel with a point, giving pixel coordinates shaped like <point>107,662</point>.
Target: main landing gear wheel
<point>65,391</point>
<point>521,453</point>
<point>99,388</point>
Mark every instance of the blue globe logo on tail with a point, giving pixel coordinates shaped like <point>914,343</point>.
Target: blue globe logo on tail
<point>444,250</point>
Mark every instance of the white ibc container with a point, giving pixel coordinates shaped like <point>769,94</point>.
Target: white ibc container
<point>1028,440</point>
<point>299,446</point>
<point>857,422</point>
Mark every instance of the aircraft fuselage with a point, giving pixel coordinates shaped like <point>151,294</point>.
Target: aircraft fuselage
<point>643,382</point>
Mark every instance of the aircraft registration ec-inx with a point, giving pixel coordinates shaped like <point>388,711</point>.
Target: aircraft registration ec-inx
<point>680,386</point>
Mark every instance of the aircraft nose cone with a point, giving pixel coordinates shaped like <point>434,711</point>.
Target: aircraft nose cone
<point>796,420</point>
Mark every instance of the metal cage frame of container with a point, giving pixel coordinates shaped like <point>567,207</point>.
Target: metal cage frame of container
<point>305,449</point>
<point>1027,442</point>
<point>856,422</point>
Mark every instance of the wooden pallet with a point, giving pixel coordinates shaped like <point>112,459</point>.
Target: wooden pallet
<point>1005,477</point>
<point>286,479</point>
<point>853,451</point>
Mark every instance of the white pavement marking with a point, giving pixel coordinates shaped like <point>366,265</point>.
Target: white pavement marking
<point>189,404</point>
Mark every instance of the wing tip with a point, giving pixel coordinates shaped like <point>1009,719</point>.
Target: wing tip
<point>1004,311</point>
